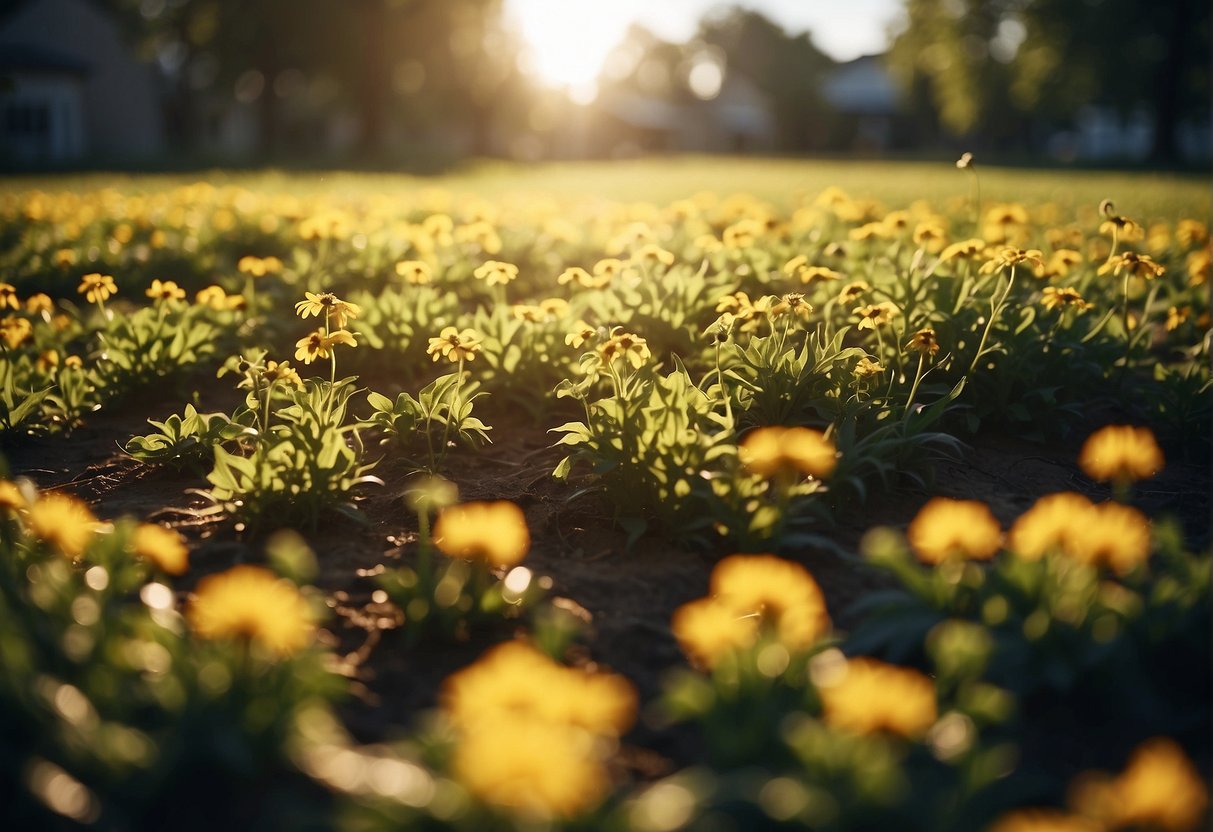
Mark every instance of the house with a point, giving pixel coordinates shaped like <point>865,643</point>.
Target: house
<point>71,87</point>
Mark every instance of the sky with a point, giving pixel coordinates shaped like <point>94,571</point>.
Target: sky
<point>569,39</point>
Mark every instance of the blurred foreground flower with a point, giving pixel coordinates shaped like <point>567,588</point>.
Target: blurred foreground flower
<point>946,528</point>
<point>64,522</point>
<point>767,451</point>
<point>1121,453</point>
<point>865,696</point>
<point>494,533</point>
<point>252,604</point>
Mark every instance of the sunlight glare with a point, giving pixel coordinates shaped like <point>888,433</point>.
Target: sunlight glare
<point>569,42</point>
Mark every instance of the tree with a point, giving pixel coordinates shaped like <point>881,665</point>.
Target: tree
<point>985,60</point>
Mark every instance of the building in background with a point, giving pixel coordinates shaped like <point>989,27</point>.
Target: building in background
<point>71,87</point>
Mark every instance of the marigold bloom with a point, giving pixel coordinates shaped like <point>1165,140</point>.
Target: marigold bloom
<point>1136,265</point>
<point>1121,453</point>
<point>946,528</point>
<point>1198,267</point>
<point>877,314</point>
<point>495,272</point>
<point>252,603</point>
<point>163,547</point>
<point>536,769</point>
<point>165,290</point>
<point>1048,524</point>
<point>97,288</point>
<point>336,311</point>
<point>1053,297</point>
<point>781,593</point>
<point>492,532</point>
<point>870,696</point>
<point>64,522</point>
<point>39,303</point>
<point>415,272</point>
<point>1159,789</point>
<point>8,296</point>
<point>767,451</point>
<point>454,346</point>
<point>924,341</point>
<point>320,345</point>
<point>1115,536</point>
<point>707,630</point>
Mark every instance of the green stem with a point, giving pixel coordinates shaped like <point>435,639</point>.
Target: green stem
<point>914,387</point>
<point>995,311</point>
<point>450,412</point>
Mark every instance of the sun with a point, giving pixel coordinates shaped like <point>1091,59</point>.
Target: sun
<point>568,41</point>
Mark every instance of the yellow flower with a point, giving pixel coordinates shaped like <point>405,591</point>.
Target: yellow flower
<point>866,368</point>
<point>1159,789</point>
<point>165,290</point>
<point>868,696</point>
<point>1120,453</point>
<point>97,288</point>
<point>494,533</point>
<point>969,249</point>
<point>931,236</point>
<point>707,630</point>
<point>742,234</point>
<point>1053,297</point>
<point>536,769</point>
<point>625,345</point>
<point>794,303</point>
<point>11,498</point>
<point>39,303</point>
<point>415,272</point>
<point>1176,316</point>
<point>581,333</point>
<point>799,267</point>
<point>214,297</point>
<point>782,594</point>
<point>945,528</point>
<point>924,341</point>
<point>653,253</point>
<point>767,451</point>
<point>336,312</point>
<point>163,547</point>
<point>1010,257</point>
<point>1114,535</point>
<point>251,603</point>
<point>1060,263</point>
<point>738,305</point>
<point>455,346</point>
<point>1136,265</point>
<point>1198,267</point>
<point>495,272</point>
<point>575,274</point>
<point>869,231</point>
<point>14,331</point>
<point>874,315</point>
<point>319,345</point>
<point>64,257</point>
<point>528,730</point>
<point>47,361</point>
<point>8,296</point>
<point>608,268</point>
<point>1123,227</point>
<point>1191,233</point>
<point>1048,524</point>
<point>853,292</point>
<point>64,522</point>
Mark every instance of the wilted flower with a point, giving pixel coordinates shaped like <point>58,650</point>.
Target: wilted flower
<point>866,368</point>
<point>1010,257</point>
<point>1136,265</point>
<point>250,603</point>
<point>965,249</point>
<point>946,528</point>
<point>454,345</point>
<point>924,341</point>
